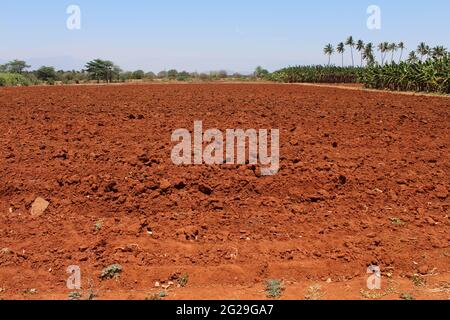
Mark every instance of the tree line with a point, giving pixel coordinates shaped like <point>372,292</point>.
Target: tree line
<point>387,52</point>
<point>99,70</point>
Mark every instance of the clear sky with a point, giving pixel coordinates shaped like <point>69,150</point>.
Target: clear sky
<point>204,35</point>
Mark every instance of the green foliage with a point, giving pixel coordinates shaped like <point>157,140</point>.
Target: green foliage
<point>316,74</point>
<point>102,70</point>
<point>260,72</point>
<point>14,79</point>
<point>111,272</point>
<point>138,74</point>
<point>183,76</point>
<point>46,74</point>
<point>274,289</point>
<point>15,66</point>
<point>432,75</point>
<point>157,296</point>
<point>172,74</point>
<point>183,281</point>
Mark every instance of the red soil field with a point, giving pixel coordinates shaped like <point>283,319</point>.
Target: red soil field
<point>364,180</point>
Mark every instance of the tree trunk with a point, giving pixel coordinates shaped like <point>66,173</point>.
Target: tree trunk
<point>353,60</point>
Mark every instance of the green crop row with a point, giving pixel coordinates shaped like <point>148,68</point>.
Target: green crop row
<point>316,74</point>
<point>432,75</point>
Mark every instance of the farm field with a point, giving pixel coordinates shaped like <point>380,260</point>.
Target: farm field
<point>364,180</point>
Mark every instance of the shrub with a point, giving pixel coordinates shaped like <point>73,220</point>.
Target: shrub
<point>13,79</point>
<point>111,272</point>
<point>274,289</point>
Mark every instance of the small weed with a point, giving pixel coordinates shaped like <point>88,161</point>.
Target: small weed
<point>157,296</point>
<point>379,294</point>
<point>397,221</point>
<point>418,280</point>
<point>98,226</point>
<point>91,295</point>
<point>407,296</point>
<point>30,291</point>
<point>74,296</point>
<point>274,289</point>
<point>111,272</point>
<point>183,281</point>
<point>314,292</point>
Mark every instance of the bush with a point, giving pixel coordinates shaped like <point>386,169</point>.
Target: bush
<point>13,79</point>
<point>316,74</point>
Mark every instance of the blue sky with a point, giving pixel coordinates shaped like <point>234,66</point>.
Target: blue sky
<point>204,35</point>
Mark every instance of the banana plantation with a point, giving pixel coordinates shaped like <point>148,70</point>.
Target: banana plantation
<point>432,75</point>
<point>424,69</point>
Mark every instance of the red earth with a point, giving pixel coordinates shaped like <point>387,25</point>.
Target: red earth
<point>364,180</point>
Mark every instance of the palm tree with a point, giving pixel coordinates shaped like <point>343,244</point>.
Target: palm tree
<point>438,52</point>
<point>341,49</point>
<point>423,50</point>
<point>368,53</point>
<point>383,48</point>
<point>402,47</point>
<point>393,48</point>
<point>328,50</point>
<point>351,43</point>
<point>413,57</point>
<point>360,46</point>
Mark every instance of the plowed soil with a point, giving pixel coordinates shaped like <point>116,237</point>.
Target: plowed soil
<point>364,180</point>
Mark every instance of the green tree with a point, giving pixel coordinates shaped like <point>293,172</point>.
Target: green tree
<point>369,54</point>
<point>392,47</point>
<point>423,50</point>
<point>102,70</point>
<point>183,76</point>
<point>351,43</point>
<point>360,46</point>
<point>172,74</point>
<point>260,72</point>
<point>150,75</point>
<point>383,48</point>
<point>341,49</point>
<point>328,51</point>
<point>16,66</point>
<point>413,57</point>
<point>401,46</point>
<point>138,74</point>
<point>162,74</point>
<point>438,52</point>
<point>46,74</point>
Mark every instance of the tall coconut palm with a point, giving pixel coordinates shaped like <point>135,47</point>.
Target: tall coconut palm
<point>413,57</point>
<point>360,46</point>
<point>438,52</point>
<point>341,49</point>
<point>423,50</point>
<point>383,48</point>
<point>392,47</point>
<point>351,43</point>
<point>328,50</point>
<point>401,46</point>
<point>368,54</point>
